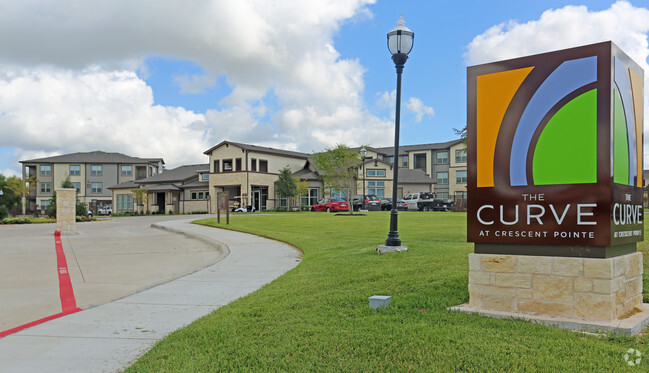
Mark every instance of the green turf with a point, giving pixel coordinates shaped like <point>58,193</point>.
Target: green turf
<point>316,317</point>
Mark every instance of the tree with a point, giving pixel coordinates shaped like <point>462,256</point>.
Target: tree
<point>21,186</point>
<point>11,197</point>
<point>285,184</point>
<point>338,167</point>
<point>140,195</point>
<point>461,132</point>
<point>302,188</point>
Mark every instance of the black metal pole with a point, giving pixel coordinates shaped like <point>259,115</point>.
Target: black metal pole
<point>393,236</point>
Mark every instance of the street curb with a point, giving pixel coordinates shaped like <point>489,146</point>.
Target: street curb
<point>221,247</point>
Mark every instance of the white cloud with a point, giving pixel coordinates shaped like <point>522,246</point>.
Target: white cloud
<point>567,27</point>
<point>419,109</point>
<point>571,26</point>
<point>69,83</point>
<point>54,111</point>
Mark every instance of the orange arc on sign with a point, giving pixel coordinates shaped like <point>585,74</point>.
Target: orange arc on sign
<point>494,93</point>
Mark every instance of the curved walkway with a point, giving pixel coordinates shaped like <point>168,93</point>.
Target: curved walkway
<point>109,337</point>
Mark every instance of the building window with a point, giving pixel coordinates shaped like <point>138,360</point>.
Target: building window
<point>127,170</point>
<point>340,193</point>
<point>199,195</point>
<point>376,187</point>
<point>95,170</point>
<point>96,187</point>
<point>441,195</point>
<point>460,177</point>
<point>420,161</point>
<point>283,202</point>
<point>263,166</point>
<point>379,173</point>
<point>77,186</point>
<point>44,204</point>
<point>442,157</point>
<point>46,187</point>
<point>227,165</point>
<point>46,170</point>
<point>205,176</point>
<point>237,164</point>
<point>253,164</point>
<point>75,170</point>
<point>124,202</point>
<point>216,167</point>
<point>460,156</point>
<point>389,159</point>
<point>404,161</point>
<point>442,178</point>
<point>310,198</point>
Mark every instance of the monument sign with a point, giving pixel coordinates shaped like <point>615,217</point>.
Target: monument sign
<point>555,154</point>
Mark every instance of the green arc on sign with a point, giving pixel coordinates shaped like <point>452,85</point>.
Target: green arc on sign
<point>566,152</point>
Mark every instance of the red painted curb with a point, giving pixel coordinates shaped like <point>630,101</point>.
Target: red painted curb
<point>66,293</point>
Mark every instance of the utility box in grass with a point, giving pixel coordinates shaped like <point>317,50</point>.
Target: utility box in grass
<point>378,301</point>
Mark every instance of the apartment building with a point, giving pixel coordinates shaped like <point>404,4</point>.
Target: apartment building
<point>249,172</point>
<point>181,190</point>
<point>445,163</point>
<point>91,174</point>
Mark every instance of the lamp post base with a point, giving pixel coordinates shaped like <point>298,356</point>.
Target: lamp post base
<point>384,249</point>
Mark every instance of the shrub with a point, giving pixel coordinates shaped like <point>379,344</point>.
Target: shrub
<point>3,212</point>
<point>198,212</point>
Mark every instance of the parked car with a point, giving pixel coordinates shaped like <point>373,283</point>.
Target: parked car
<point>386,203</point>
<point>105,210</point>
<point>330,205</point>
<point>426,201</point>
<point>244,209</point>
<point>401,204</point>
<point>366,201</point>
<point>443,205</point>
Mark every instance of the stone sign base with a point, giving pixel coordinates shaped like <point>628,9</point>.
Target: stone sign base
<point>66,207</point>
<point>582,291</point>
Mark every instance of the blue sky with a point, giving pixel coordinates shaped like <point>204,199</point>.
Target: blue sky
<point>171,79</point>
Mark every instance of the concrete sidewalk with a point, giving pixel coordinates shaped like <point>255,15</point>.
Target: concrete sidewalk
<point>110,337</point>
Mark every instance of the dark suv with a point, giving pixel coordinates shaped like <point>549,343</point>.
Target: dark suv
<point>367,202</point>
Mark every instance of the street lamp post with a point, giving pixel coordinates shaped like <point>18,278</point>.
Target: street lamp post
<point>400,42</point>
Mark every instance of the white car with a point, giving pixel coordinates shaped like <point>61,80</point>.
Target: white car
<point>105,210</point>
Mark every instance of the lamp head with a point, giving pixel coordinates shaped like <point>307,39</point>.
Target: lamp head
<point>400,38</point>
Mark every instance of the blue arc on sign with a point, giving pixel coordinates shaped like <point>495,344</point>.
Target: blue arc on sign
<point>568,77</point>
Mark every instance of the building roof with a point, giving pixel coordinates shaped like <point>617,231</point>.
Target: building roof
<point>93,157</point>
<point>414,176</point>
<point>404,149</point>
<point>162,188</point>
<point>306,174</point>
<point>125,185</point>
<point>177,174</point>
<point>260,149</point>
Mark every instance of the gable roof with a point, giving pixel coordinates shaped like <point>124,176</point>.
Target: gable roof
<point>96,156</point>
<point>177,174</point>
<point>415,176</point>
<point>260,149</point>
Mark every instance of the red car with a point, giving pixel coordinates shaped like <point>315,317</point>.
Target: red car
<point>331,204</point>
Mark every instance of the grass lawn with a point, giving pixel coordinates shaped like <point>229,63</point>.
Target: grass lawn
<point>316,317</point>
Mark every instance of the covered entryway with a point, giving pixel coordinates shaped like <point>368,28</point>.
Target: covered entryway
<point>259,197</point>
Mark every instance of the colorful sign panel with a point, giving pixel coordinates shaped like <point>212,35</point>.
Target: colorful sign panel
<point>556,149</point>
